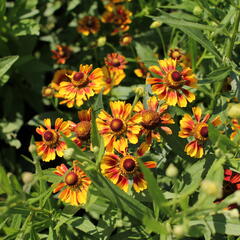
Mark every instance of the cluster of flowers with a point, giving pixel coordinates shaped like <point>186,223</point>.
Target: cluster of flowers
<point>170,81</point>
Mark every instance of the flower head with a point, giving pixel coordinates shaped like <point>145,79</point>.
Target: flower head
<point>74,185</point>
<point>110,78</point>
<point>60,76</point>
<point>119,127</point>
<point>170,84</point>
<point>154,117</point>
<point>198,129</point>
<point>80,87</point>
<point>119,16</point>
<point>126,39</point>
<point>115,61</point>
<point>47,91</point>
<point>51,143</point>
<point>122,167</point>
<point>61,54</point>
<point>88,24</point>
<point>82,129</point>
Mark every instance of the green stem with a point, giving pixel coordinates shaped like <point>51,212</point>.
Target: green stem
<point>162,41</point>
<point>201,58</point>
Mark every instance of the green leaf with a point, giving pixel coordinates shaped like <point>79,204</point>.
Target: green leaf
<point>217,75</point>
<point>192,30</point>
<point>220,140</point>
<point>2,8</point>
<point>96,138</point>
<point>26,27</point>
<point>5,64</point>
<point>5,184</point>
<point>146,54</point>
<point>176,143</point>
<point>154,191</point>
<point>220,224</point>
<point>179,22</point>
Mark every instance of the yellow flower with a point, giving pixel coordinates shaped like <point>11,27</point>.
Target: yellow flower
<point>51,143</point>
<point>88,24</point>
<point>169,86</point>
<point>74,187</point>
<point>80,88</point>
<point>198,129</point>
<point>120,127</point>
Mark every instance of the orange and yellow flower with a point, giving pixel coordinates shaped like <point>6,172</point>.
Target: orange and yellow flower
<point>60,76</point>
<point>75,185</point>
<point>198,129</point>
<point>47,91</point>
<point>235,128</point>
<point>82,129</point>
<point>118,15</point>
<point>153,117</point>
<point>115,61</point>
<point>88,24</point>
<point>81,85</point>
<point>122,167</point>
<point>110,79</point>
<point>125,40</point>
<point>170,85</point>
<point>61,54</point>
<point>51,143</point>
<point>120,127</point>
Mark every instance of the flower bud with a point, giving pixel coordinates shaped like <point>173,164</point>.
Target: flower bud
<point>68,153</point>
<point>47,92</point>
<point>139,91</point>
<point>32,148</point>
<point>233,110</point>
<point>95,149</point>
<point>179,230</point>
<point>155,24</point>
<point>197,11</point>
<point>171,171</point>
<point>101,41</point>
<point>27,177</point>
<point>210,188</point>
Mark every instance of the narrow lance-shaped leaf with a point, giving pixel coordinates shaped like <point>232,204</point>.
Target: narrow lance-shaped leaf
<point>154,190</point>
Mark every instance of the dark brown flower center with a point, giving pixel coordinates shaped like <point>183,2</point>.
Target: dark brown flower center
<point>129,165</point>
<point>204,131</point>
<point>83,130</point>
<point>90,23</point>
<point>78,76</point>
<point>108,80</point>
<point>176,76</point>
<point>116,63</point>
<point>150,119</point>
<point>116,125</point>
<point>48,136</point>
<point>71,178</point>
